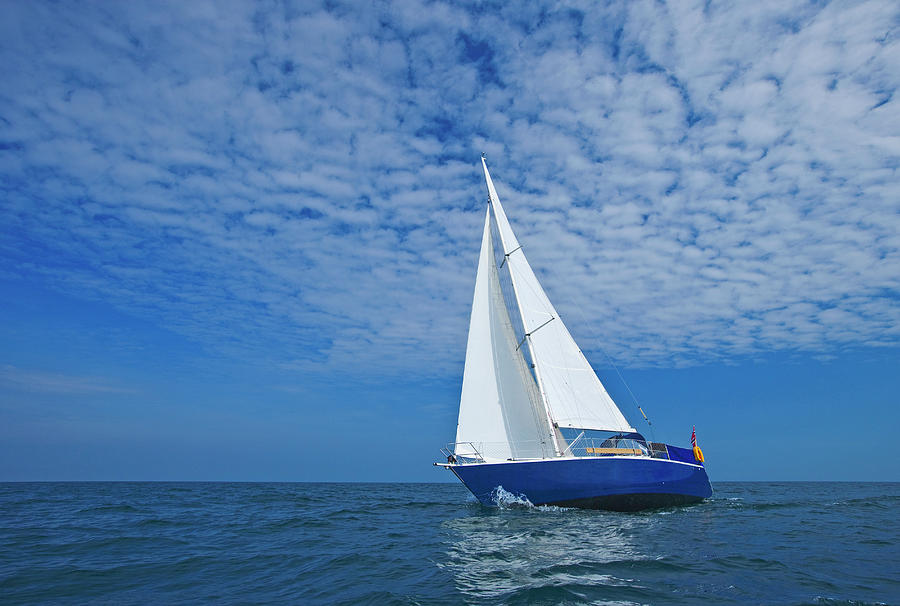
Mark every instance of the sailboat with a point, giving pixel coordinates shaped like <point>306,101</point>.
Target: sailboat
<point>535,421</point>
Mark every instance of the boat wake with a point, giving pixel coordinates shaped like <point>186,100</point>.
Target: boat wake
<point>507,500</point>
<point>503,499</point>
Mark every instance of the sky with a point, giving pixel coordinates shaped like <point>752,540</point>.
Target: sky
<point>238,240</point>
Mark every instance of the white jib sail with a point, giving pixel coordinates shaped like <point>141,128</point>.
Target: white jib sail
<point>500,413</point>
<point>570,387</point>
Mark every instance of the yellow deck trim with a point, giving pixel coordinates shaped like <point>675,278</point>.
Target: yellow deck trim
<point>615,451</point>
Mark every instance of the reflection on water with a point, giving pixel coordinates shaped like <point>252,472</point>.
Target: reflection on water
<point>117,543</point>
<point>791,544</point>
<point>519,550</point>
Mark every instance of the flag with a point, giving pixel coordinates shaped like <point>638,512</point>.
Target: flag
<point>698,454</point>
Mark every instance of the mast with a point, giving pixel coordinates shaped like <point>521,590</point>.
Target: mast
<point>495,423</point>
<point>570,390</point>
<point>510,245</point>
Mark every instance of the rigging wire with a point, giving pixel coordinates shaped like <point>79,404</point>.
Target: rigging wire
<point>621,378</point>
<point>633,398</point>
<point>538,294</point>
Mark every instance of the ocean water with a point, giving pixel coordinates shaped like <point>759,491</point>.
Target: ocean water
<point>237,543</point>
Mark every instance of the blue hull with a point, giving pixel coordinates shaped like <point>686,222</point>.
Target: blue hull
<point>617,483</point>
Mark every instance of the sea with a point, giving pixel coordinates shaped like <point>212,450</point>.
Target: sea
<point>266,543</point>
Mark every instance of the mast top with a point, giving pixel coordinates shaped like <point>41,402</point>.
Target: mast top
<point>570,389</point>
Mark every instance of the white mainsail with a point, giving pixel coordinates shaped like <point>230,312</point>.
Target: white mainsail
<point>569,387</point>
<point>500,412</point>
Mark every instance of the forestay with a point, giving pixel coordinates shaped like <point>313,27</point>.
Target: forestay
<point>500,413</point>
<point>569,386</point>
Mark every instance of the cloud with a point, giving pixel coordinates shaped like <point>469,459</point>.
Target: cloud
<point>52,383</point>
<point>300,186</point>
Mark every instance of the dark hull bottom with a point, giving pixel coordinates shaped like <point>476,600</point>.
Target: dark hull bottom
<point>630,502</point>
<point>614,483</point>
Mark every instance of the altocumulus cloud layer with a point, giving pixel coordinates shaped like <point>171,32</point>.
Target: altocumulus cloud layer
<point>299,184</point>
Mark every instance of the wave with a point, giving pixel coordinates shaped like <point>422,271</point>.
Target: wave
<point>504,499</point>
<point>820,601</point>
<point>117,508</point>
<point>823,545</point>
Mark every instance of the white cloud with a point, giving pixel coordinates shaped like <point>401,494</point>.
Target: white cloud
<point>692,182</point>
<point>54,383</point>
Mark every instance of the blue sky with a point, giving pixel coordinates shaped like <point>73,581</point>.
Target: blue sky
<point>238,241</point>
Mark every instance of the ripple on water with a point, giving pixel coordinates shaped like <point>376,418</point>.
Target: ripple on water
<point>433,544</point>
